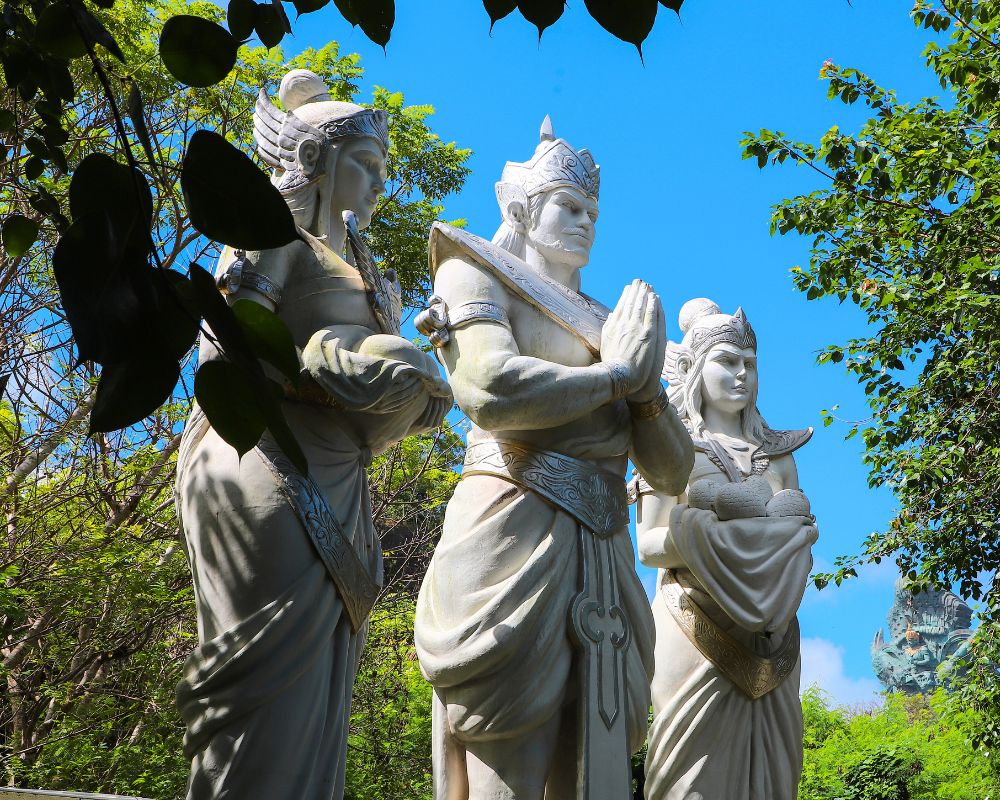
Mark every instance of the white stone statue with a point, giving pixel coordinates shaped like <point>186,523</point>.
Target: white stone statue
<point>286,567</point>
<point>531,623</point>
<point>734,553</point>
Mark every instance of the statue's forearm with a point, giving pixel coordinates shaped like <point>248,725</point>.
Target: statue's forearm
<point>525,393</point>
<point>662,451</point>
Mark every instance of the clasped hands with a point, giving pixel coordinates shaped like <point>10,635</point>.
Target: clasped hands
<point>633,342</point>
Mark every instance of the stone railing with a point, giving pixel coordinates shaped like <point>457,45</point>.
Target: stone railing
<point>10,793</point>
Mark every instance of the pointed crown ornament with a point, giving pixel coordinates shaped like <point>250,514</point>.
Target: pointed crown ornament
<point>555,163</point>
<point>705,325</point>
<point>311,115</point>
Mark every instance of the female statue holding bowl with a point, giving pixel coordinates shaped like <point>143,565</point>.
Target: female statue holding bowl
<point>733,553</point>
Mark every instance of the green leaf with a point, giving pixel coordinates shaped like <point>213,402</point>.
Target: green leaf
<point>137,114</point>
<point>94,31</point>
<point>230,199</point>
<point>227,398</point>
<point>241,16</point>
<point>197,51</point>
<point>130,391</point>
<point>18,234</point>
<point>630,21</point>
<point>7,119</point>
<point>268,336</point>
<point>56,32</point>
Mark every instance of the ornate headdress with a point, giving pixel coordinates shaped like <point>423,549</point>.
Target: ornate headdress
<point>704,325</point>
<point>555,163</point>
<point>311,115</point>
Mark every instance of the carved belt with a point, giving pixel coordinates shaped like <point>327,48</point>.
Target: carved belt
<point>594,497</point>
<point>753,674</point>
<point>358,589</point>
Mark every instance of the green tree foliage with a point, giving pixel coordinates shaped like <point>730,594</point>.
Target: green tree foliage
<point>908,230</point>
<point>96,614</point>
<point>905,750</point>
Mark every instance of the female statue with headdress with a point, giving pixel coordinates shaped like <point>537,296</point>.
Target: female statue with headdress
<point>734,554</point>
<point>286,566</point>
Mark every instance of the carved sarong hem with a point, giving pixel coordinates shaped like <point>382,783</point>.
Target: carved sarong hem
<point>357,588</point>
<point>593,496</point>
<point>754,675</point>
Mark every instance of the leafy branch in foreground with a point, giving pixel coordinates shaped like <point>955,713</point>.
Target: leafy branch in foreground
<point>908,230</point>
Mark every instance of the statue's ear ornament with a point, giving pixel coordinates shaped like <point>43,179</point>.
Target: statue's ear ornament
<point>509,196</point>
<point>677,363</point>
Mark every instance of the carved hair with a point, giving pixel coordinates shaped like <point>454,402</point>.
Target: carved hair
<point>511,235</point>
<point>704,326</point>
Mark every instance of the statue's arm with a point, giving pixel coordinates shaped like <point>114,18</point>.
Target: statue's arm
<point>496,386</point>
<point>652,525</point>
<point>662,450</point>
<point>785,467</point>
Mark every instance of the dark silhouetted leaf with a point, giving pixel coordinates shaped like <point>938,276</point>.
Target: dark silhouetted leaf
<point>58,159</point>
<point>104,3</point>
<point>3,383</point>
<point>105,289</point>
<point>279,9</point>
<point>56,32</point>
<point>178,317</point>
<point>33,168</point>
<point>101,263</point>
<point>54,135</point>
<point>93,31</point>
<point>631,22</point>
<point>673,5</point>
<point>270,29</point>
<point>542,13</point>
<point>44,203</point>
<point>348,10</point>
<point>36,147</point>
<point>241,17</point>
<point>130,391</point>
<point>230,199</point>
<point>18,234</point>
<point>7,119</point>
<point>376,18</point>
<point>306,6</point>
<point>228,400</point>
<point>279,429</point>
<point>56,81</point>
<point>268,336</point>
<point>137,114</point>
<point>498,9</point>
<point>196,51</point>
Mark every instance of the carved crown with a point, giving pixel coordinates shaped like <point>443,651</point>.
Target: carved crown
<point>555,163</point>
<point>733,330</point>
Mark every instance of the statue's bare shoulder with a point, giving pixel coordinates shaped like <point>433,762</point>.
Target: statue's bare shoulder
<point>460,280</point>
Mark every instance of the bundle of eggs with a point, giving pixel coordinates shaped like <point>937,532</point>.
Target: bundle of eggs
<point>750,498</point>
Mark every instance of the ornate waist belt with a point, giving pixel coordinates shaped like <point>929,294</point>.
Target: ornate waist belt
<point>357,588</point>
<point>755,675</point>
<point>594,497</point>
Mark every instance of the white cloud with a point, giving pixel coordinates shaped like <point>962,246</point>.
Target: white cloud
<point>823,665</point>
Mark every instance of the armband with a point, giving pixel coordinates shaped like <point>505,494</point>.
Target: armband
<point>437,320</point>
<point>652,409</point>
<point>238,276</point>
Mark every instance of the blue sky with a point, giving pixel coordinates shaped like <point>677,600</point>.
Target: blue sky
<point>679,207</point>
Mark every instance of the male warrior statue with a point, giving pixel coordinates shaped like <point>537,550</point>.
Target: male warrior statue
<point>531,623</point>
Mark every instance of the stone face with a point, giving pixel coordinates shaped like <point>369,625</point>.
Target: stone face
<point>734,553</point>
<point>286,566</point>
<point>531,622</point>
<point>926,630</point>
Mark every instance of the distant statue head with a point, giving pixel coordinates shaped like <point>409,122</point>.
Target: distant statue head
<point>715,364</point>
<point>549,203</point>
<point>328,156</point>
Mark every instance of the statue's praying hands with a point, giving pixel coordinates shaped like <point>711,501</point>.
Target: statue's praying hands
<point>633,341</point>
